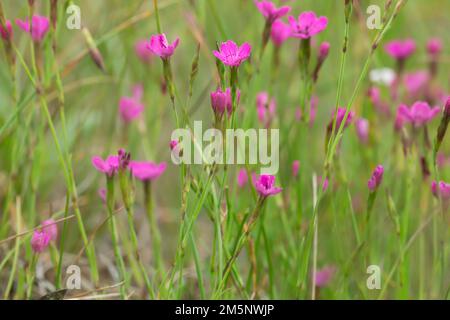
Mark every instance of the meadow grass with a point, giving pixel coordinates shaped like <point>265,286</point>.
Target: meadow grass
<point>194,232</point>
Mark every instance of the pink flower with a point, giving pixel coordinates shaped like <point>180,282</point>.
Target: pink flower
<point>145,171</point>
<point>108,166</point>
<point>40,241</point>
<point>415,82</point>
<point>324,49</point>
<point>173,144</point>
<point>51,228</point>
<point>242,178</point>
<point>441,189</point>
<point>159,46</point>
<point>142,51</point>
<point>295,168</point>
<point>419,114</point>
<point>131,107</point>
<point>400,120</point>
<point>362,129</point>
<point>39,26</point>
<point>264,185</point>
<point>324,276</point>
<point>434,47</point>
<point>266,108</point>
<point>400,49</point>
<point>6,34</point>
<point>307,25</point>
<point>376,178</point>
<point>280,32</point>
<point>232,55</point>
<point>221,100</point>
<point>375,97</point>
<point>340,117</point>
<point>270,12</point>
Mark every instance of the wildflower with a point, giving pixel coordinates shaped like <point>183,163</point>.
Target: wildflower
<point>159,46</point>
<point>131,107</point>
<point>280,32</point>
<point>419,114</point>
<point>51,228</point>
<point>6,33</point>
<point>434,47</point>
<point>376,178</point>
<point>242,178</point>
<point>441,189</point>
<point>264,185</point>
<point>265,108</point>
<point>39,27</point>
<point>232,55</point>
<point>270,11</point>
<point>145,170</point>
<point>324,276</point>
<point>323,54</point>
<point>362,129</point>
<point>40,241</point>
<point>142,51</point>
<point>295,168</point>
<point>415,82</point>
<point>400,50</point>
<point>340,117</point>
<point>307,25</point>
<point>109,166</point>
<point>221,101</point>
<point>173,144</point>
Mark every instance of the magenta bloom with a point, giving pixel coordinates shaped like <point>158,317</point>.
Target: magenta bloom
<point>40,241</point>
<point>232,55</point>
<point>376,178</point>
<point>159,46</point>
<point>51,228</point>
<point>264,185</point>
<point>131,107</point>
<point>242,178</point>
<point>324,276</point>
<point>222,100</point>
<point>340,117</point>
<point>324,49</point>
<point>146,171</point>
<point>441,189</point>
<point>447,107</point>
<point>143,52</point>
<point>173,144</point>
<point>265,108</point>
<point>280,32</point>
<point>6,34</point>
<point>307,25</point>
<point>295,168</point>
<point>416,81</point>
<point>108,166</point>
<point>270,11</point>
<point>399,49</point>
<point>39,26</point>
<point>434,47</point>
<point>362,129</point>
<point>419,114</point>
